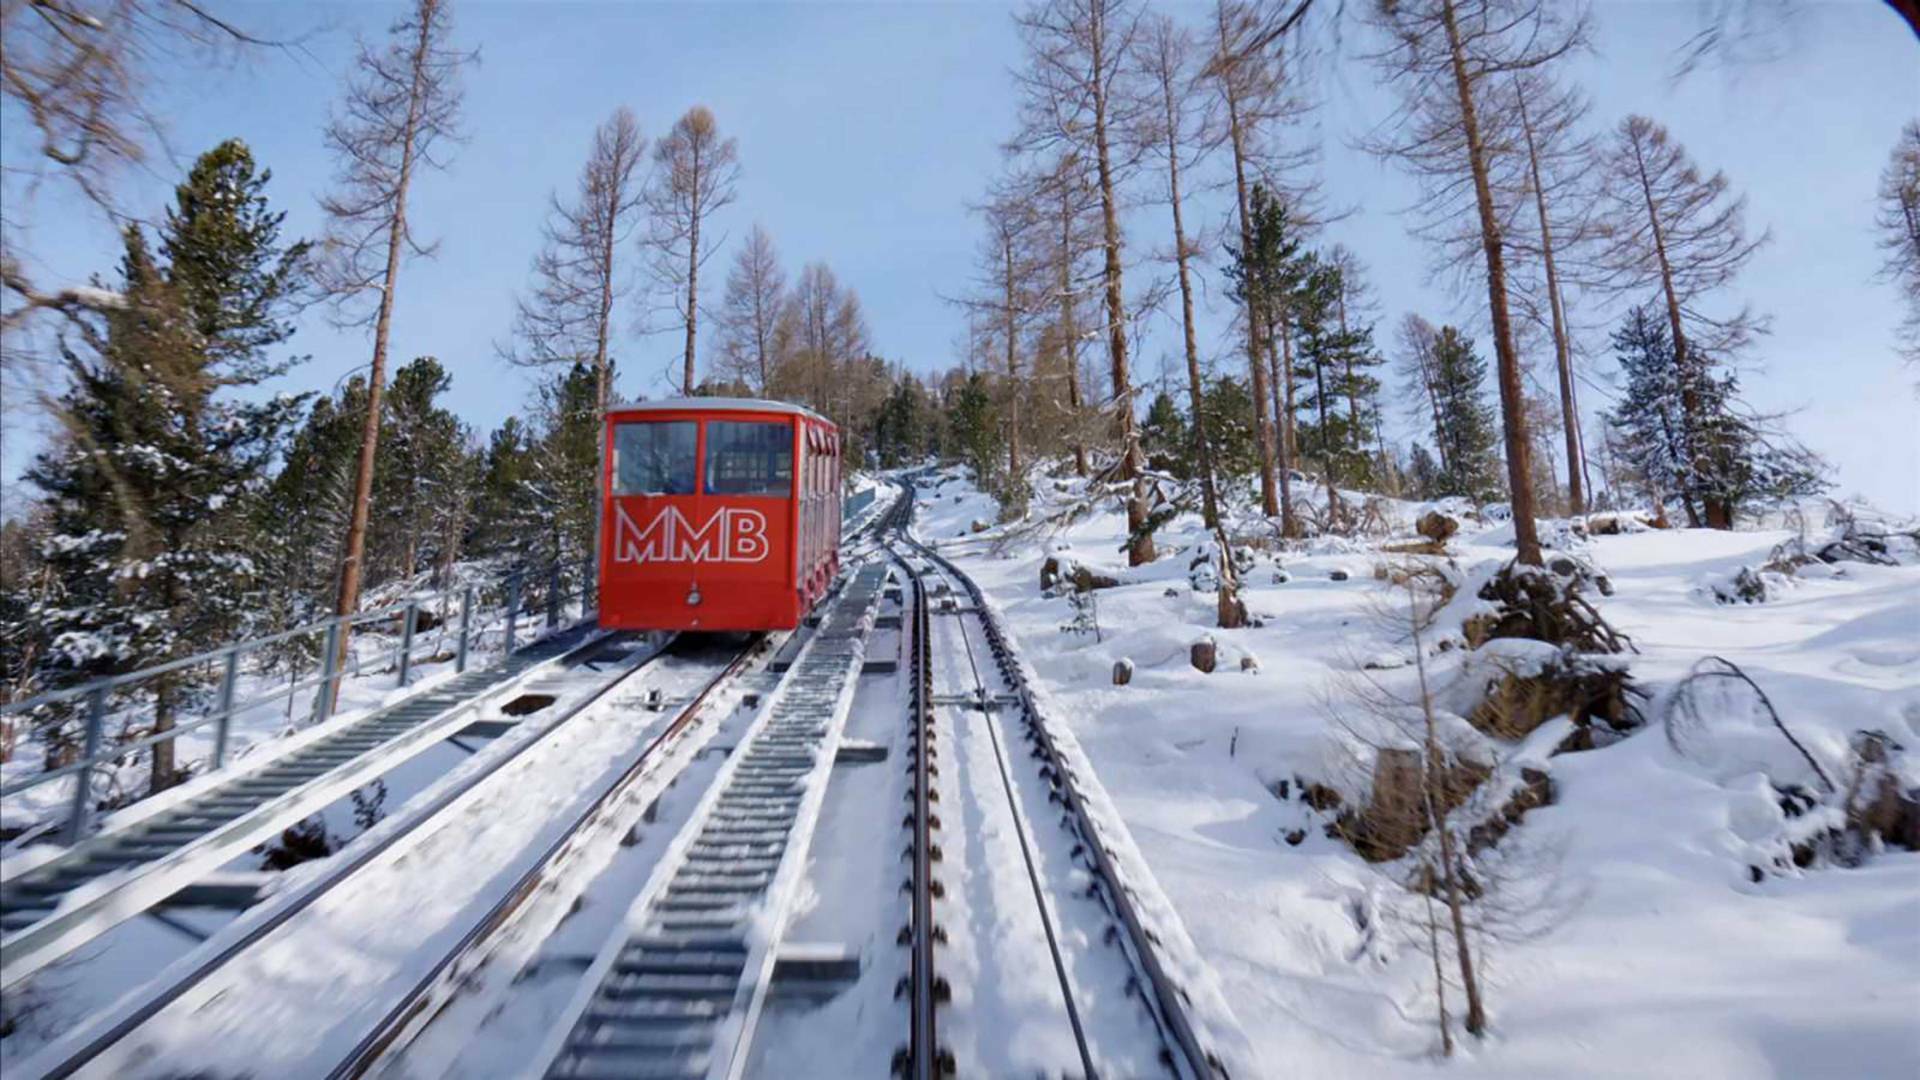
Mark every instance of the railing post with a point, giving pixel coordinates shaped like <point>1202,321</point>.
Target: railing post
<point>227,680</point>
<point>553,594</point>
<point>412,615</point>
<point>83,780</point>
<point>329,670</point>
<point>466,627</point>
<point>513,609</point>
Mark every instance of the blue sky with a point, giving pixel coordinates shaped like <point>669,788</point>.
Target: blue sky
<point>866,129</point>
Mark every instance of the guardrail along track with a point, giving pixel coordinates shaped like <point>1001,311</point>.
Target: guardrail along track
<point>1001,695</point>
<point>679,995</point>
<point>229,818</point>
<point>81,1048</point>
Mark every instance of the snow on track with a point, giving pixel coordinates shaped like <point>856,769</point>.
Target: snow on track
<point>301,998</point>
<point>1009,1014</point>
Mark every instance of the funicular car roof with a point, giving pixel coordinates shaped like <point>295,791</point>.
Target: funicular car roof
<point>714,404</point>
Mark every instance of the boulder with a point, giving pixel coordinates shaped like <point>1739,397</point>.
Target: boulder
<point>1436,526</point>
<point>1055,572</point>
<point>1339,575</point>
<point>1204,655</point>
<point>1122,671</point>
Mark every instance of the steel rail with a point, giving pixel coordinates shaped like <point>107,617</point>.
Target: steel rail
<point>1166,1002</point>
<point>380,1039</point>
<point>333,875</point>
<point>1023,831</point>
<point>923,1047</point>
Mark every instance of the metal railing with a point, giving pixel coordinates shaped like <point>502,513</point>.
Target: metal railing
<point>491,610</point>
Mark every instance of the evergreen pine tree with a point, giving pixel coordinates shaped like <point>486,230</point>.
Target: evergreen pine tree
<point>974,425</point>
<point>147,490</point>
<point>565,468</point>
<point>1466,421</point>
<point>903,428</point>
<point>1230,431</point>
<point>418,491</point>
<point>1166,439</point>
<point>224,260</point>
<point>1331,360</point>
<point>1423,473</point>
<point>1713,453</point>
<point>506,467</point>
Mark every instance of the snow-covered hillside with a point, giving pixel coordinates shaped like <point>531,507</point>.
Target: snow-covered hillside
<point>1670,933</point>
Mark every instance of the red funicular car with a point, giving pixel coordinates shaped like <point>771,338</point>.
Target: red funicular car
<point>720,514</point>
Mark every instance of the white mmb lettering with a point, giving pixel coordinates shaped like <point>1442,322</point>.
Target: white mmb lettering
<point>730,534</point>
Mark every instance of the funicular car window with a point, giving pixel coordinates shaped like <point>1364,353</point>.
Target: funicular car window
<point>749,457</point>
<point>655,457</point>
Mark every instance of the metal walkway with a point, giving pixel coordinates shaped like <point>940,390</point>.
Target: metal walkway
<point>680,995</point>
<point>229,817</point>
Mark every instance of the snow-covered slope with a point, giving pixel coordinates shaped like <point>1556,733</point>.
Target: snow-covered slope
<point>1658,955</point>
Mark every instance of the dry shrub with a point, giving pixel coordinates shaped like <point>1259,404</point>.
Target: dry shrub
<point>1546,604</point>
<point>1522,696</point>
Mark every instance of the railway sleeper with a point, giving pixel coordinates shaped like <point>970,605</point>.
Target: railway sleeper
<point>680,962</point>
<point>703,986</point>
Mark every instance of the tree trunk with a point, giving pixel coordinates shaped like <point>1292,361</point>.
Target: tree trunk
<point>1140,548</point>
<point>1563,358</point>
<point>1512,401</point>
<point>1069,330</point>
<point>161,777</point>
<point>1717,514</point>
<point>693,283</point>
<point>1326,444</point>
<point>1270,503</point>
<point>348,599</point>
<point>1282,435</point>
<point>1203,451</point>
<point>1289,423</point>
<point>1013,370</point>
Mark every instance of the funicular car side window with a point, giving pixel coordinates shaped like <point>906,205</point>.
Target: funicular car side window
<point>655,457</point>
<point>749,457</point>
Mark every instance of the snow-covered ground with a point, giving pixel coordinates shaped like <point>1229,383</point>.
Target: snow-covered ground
<point>1658,953</point>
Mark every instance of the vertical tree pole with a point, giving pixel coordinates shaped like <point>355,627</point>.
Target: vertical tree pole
<point>381,135</point>
<point>1512,394</point>
<point>1562,354</point>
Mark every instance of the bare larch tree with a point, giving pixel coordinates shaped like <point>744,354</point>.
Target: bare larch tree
<point>1069,196</point>
<point>1238,71</point>
<point>402,102</point>
<point>1446,57</point>
<point>1418,371</point>
<point>1073,98</point>
<point>1174,130</point>
<point>696,170</point>
<point>1004,299</point>
<point>1668,228</point>
<point>569,316</point>
<point>1899,224</point>
<point>750,310</point>
<point>1557,156</point>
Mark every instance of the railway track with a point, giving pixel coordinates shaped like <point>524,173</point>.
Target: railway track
<point>756,818</point>
<point>679,990</point>
<point>1116,1011</point>
<point>81,1050</point>
<point>68,900</point>
<point>1031,958</point>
